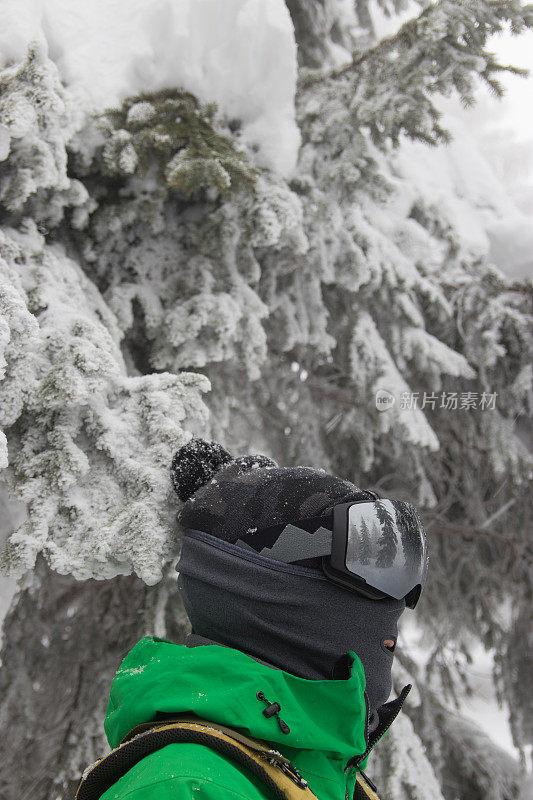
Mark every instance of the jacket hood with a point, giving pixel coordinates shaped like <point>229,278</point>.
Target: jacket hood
<point>221,684</point>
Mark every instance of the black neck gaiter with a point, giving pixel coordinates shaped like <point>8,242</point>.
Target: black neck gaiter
<point>290,616</point>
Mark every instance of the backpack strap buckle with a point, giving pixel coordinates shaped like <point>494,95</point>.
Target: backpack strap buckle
<point>288,769</point>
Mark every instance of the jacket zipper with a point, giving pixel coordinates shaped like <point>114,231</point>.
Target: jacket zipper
<point>374,738</point>
<point>380,731</point>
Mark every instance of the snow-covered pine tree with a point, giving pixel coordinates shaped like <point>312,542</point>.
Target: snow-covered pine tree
<point>298,300</point>
<point>480,475</point>
<point>34,129</point>
<point>88,445</point>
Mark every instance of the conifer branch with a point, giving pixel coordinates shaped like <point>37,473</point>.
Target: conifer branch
<point>389,87</point>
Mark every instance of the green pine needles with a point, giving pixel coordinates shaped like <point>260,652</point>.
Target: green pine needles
<point>179,136</point>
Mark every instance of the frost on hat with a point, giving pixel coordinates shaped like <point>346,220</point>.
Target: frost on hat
<point>228,497</point>
<point>194,464</point>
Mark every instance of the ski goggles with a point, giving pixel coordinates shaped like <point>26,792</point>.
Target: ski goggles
<point>374,547</point>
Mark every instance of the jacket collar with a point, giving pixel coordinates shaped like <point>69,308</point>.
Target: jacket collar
<point>195,640</point>
<point>159,677</point>
<point>327,720</point>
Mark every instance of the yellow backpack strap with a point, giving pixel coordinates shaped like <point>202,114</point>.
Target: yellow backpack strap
<point>363,789</point>
<point>277,773</point>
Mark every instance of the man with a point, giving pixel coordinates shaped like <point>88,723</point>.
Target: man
<point>294,581</point>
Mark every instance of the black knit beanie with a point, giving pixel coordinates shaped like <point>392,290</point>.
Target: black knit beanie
<point>289,615</point>
<point>227,497</point>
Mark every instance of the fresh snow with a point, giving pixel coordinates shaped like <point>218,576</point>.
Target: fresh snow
<point>239,53</point>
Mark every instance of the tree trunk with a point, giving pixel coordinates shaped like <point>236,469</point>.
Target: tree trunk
<point>63,641</point>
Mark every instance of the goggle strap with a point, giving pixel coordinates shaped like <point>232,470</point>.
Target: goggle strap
<point>309,538</point>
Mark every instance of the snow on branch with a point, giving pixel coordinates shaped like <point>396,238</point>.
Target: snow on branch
<point>36,121</point>
<point>89,446</point>
<point>390,87</point>
<point>172,130</point>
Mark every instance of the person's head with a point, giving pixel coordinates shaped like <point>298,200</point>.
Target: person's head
<point>282,609</point>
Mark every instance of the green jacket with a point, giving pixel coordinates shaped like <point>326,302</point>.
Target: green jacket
<point>327,721</point>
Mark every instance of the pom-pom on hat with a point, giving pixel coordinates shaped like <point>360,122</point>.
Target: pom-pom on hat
<point>228,497</point>
<point>195,464</point>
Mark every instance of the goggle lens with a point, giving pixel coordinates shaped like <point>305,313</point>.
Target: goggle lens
<point>386,548</point>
